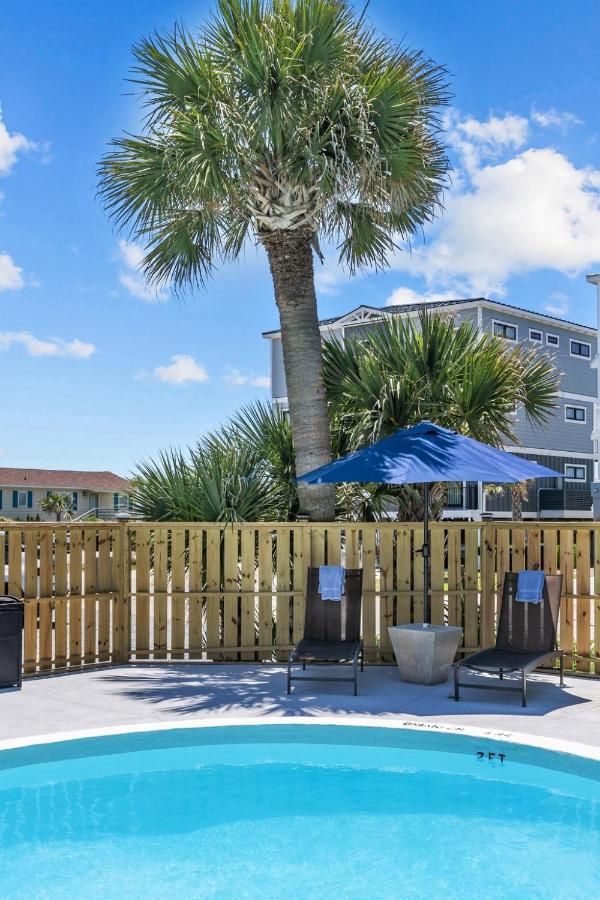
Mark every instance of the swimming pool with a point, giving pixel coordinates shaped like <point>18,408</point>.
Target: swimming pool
<point>294,810</point>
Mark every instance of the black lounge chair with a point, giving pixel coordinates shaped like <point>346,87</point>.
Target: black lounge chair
<point>331,630</point>
<point>526,638</point>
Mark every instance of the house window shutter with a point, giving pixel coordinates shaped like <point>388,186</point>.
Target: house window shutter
<point>115,502</point>
<point>0,499</point>
<point>29,499</point>
<point>15,499</point>
<point>74,501</point>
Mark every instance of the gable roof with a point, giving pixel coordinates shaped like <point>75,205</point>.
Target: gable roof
<point>407,308</point>
<point>66,479</point>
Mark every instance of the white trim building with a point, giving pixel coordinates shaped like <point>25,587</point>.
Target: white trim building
<point>565,444</point>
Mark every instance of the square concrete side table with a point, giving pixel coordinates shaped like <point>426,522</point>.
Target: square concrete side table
<point>425,653</point>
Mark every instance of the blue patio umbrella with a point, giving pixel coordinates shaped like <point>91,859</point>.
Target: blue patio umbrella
<point>424,454</point>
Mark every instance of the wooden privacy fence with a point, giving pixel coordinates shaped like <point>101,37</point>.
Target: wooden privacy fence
<point>100,593</point>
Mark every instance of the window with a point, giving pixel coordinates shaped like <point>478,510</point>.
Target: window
<point>575,473</point>
<point>22,499</point>
<point>575,414</point>
<point>552,340</point>
<point>535,336</point>
<point>504,330</point>
<point>581,348</point>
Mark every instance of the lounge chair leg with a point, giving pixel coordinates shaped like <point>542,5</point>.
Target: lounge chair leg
<point>362,660</point>
<point>355,679</point>
<point>562,669</point>
<point>456,684</point>
<point>289,678</point>
<point>523,689</point>
<point>304,665</point>
<point>501,674</point>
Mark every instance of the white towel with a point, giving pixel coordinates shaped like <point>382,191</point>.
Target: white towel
<point>331,582</point>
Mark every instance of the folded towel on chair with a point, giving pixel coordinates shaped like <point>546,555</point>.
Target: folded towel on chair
<point>331,582</point>
<point>530,586</point>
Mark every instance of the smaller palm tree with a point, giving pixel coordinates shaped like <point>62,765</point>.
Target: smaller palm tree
<point>406,370</point>
<point>58,504</point>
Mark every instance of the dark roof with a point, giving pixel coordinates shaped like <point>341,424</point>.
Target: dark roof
<point>65,479</point>
<point>403,308</point>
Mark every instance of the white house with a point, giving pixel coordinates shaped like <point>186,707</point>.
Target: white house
<point>21,490</point>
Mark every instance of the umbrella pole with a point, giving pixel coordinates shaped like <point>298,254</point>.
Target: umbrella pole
<point>425,551</point>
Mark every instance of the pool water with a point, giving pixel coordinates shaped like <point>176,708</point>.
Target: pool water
<point>296,811</point>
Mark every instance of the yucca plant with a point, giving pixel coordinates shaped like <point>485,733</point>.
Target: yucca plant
<point>212,483</point>
<point>286,121</point>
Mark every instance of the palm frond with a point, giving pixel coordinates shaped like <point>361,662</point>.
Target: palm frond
<point>275,100</point>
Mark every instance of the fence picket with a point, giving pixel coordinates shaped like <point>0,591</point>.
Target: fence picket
<point>161,573</point>
<point>282,603</point>
<point>46,603</point>
<point>75,561</point>
<point>583,602</point>
<point>247,606</point>
<point>31,593</point>
<point>195,587</point>
<point>61,602</point>
<point>566,610</point>
<point>386,592</point>
<point>404,563</point>
<point>369,562</point>
<point>90,599</point>
<point>104,590</point>
<point>142,593</point>
<point>178,549</point>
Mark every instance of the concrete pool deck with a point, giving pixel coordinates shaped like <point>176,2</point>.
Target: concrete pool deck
<point>156,694</point>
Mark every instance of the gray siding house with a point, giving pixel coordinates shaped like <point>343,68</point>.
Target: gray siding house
<point>564,444</point>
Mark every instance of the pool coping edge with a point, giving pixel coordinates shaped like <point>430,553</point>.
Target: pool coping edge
<point>571,748</point>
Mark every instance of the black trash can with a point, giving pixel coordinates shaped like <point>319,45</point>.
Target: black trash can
<point>11,642</point>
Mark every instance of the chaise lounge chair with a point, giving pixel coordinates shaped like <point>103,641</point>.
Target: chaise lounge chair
<point>331,630</point>
<point>526,638</point>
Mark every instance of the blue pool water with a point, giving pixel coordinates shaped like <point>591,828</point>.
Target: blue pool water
<point>296,811</point>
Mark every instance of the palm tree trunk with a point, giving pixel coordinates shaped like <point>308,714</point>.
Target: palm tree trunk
<point>291,262</point>
<point>517,502</point>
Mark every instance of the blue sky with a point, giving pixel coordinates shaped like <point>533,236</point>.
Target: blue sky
<point>97,373</point>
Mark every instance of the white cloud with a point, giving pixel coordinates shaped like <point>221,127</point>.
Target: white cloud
<point>10,147</point>
<point>553,118</point>
<point>183,369</point>
<point>558,305</point>
<point>132,278</point>
<point>11,275</point>
<point>535,211</point>
<point>405,295</point>
<point>236,379</point>
<point>513,209</point>
<point>51,347</point>
<point>475,140</point>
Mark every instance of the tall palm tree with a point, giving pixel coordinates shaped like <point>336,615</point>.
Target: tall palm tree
<point>409,369</point>
<point>288,120</point>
